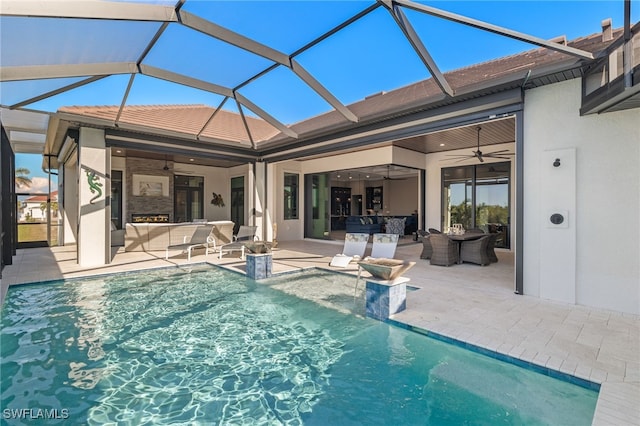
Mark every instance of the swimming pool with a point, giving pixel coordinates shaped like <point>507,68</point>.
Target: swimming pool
<point>205,345</point>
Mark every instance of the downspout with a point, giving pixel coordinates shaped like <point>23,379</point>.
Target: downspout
<point>627,52</point>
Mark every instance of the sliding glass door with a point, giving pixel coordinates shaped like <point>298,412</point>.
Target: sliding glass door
<point>317,206</point>
<point>478,197</point>
<point>237,202</point>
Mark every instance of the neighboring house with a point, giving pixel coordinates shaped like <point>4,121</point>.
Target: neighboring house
<point>34,208</point>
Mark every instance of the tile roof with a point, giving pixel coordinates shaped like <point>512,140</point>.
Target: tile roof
<point>187,119</point>
<point>42,198</point>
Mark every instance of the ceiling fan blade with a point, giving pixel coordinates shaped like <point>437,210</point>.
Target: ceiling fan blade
<point>458,157</point>
<point>495,152</point>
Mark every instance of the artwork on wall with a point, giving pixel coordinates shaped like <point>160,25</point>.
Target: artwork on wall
<point>150,186</point>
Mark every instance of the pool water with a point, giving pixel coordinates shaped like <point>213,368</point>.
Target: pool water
<point>207,346</point>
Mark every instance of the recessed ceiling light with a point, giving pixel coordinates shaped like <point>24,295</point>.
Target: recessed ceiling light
<point>441,144</point>
<point>119,151</point>
<point>367,176</point>
<point>191,159</point>
<point>338,176</point>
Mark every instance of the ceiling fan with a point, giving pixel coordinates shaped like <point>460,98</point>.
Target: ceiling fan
<point>390,178</point>
<point>503,153</point>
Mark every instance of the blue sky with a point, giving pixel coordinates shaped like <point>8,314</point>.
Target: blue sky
<point>365,58</point>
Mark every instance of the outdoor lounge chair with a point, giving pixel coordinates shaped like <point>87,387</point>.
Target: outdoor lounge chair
<point>245,234</point>
<point>384,245</point>
<point>475,251</point>
<point>445,251</point>
<point>231,247</point>
<point>221,234</point>
<point>200,238</point>
<point>354,246</point>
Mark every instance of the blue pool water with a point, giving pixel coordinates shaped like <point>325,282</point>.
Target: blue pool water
<point>207,346</point>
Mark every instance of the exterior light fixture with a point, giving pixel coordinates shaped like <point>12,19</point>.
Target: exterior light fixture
<point>556,163</point>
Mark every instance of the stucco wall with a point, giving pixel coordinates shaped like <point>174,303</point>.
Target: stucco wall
<point>606,253</point>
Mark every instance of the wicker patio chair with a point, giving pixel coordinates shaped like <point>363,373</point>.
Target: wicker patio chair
<point>475,251</point>
<point>434,231</point>
<point>445,251</point>
<point>491,245</point>
<point>427,248</point>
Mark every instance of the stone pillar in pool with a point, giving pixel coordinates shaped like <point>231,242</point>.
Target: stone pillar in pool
<point>259,265</point>
<point>385,298</point>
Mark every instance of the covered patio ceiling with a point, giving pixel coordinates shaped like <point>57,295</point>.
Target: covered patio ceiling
<point>57,54</point>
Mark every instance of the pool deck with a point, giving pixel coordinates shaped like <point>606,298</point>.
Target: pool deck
<point>468,303</point>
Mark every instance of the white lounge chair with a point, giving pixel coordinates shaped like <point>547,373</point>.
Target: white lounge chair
<point>200,238</point>
<point>245,234</point>
<point>354,246</point>
<point>221,234</point>
<point>384,245</point>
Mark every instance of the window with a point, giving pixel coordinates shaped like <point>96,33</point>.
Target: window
<point>290,196</point>
<point>478,197</point>
<point>116,198</point>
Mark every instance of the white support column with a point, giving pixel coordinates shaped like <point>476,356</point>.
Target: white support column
<point>259,201</point>
<point>269,218</point>
<point>93,193</point>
